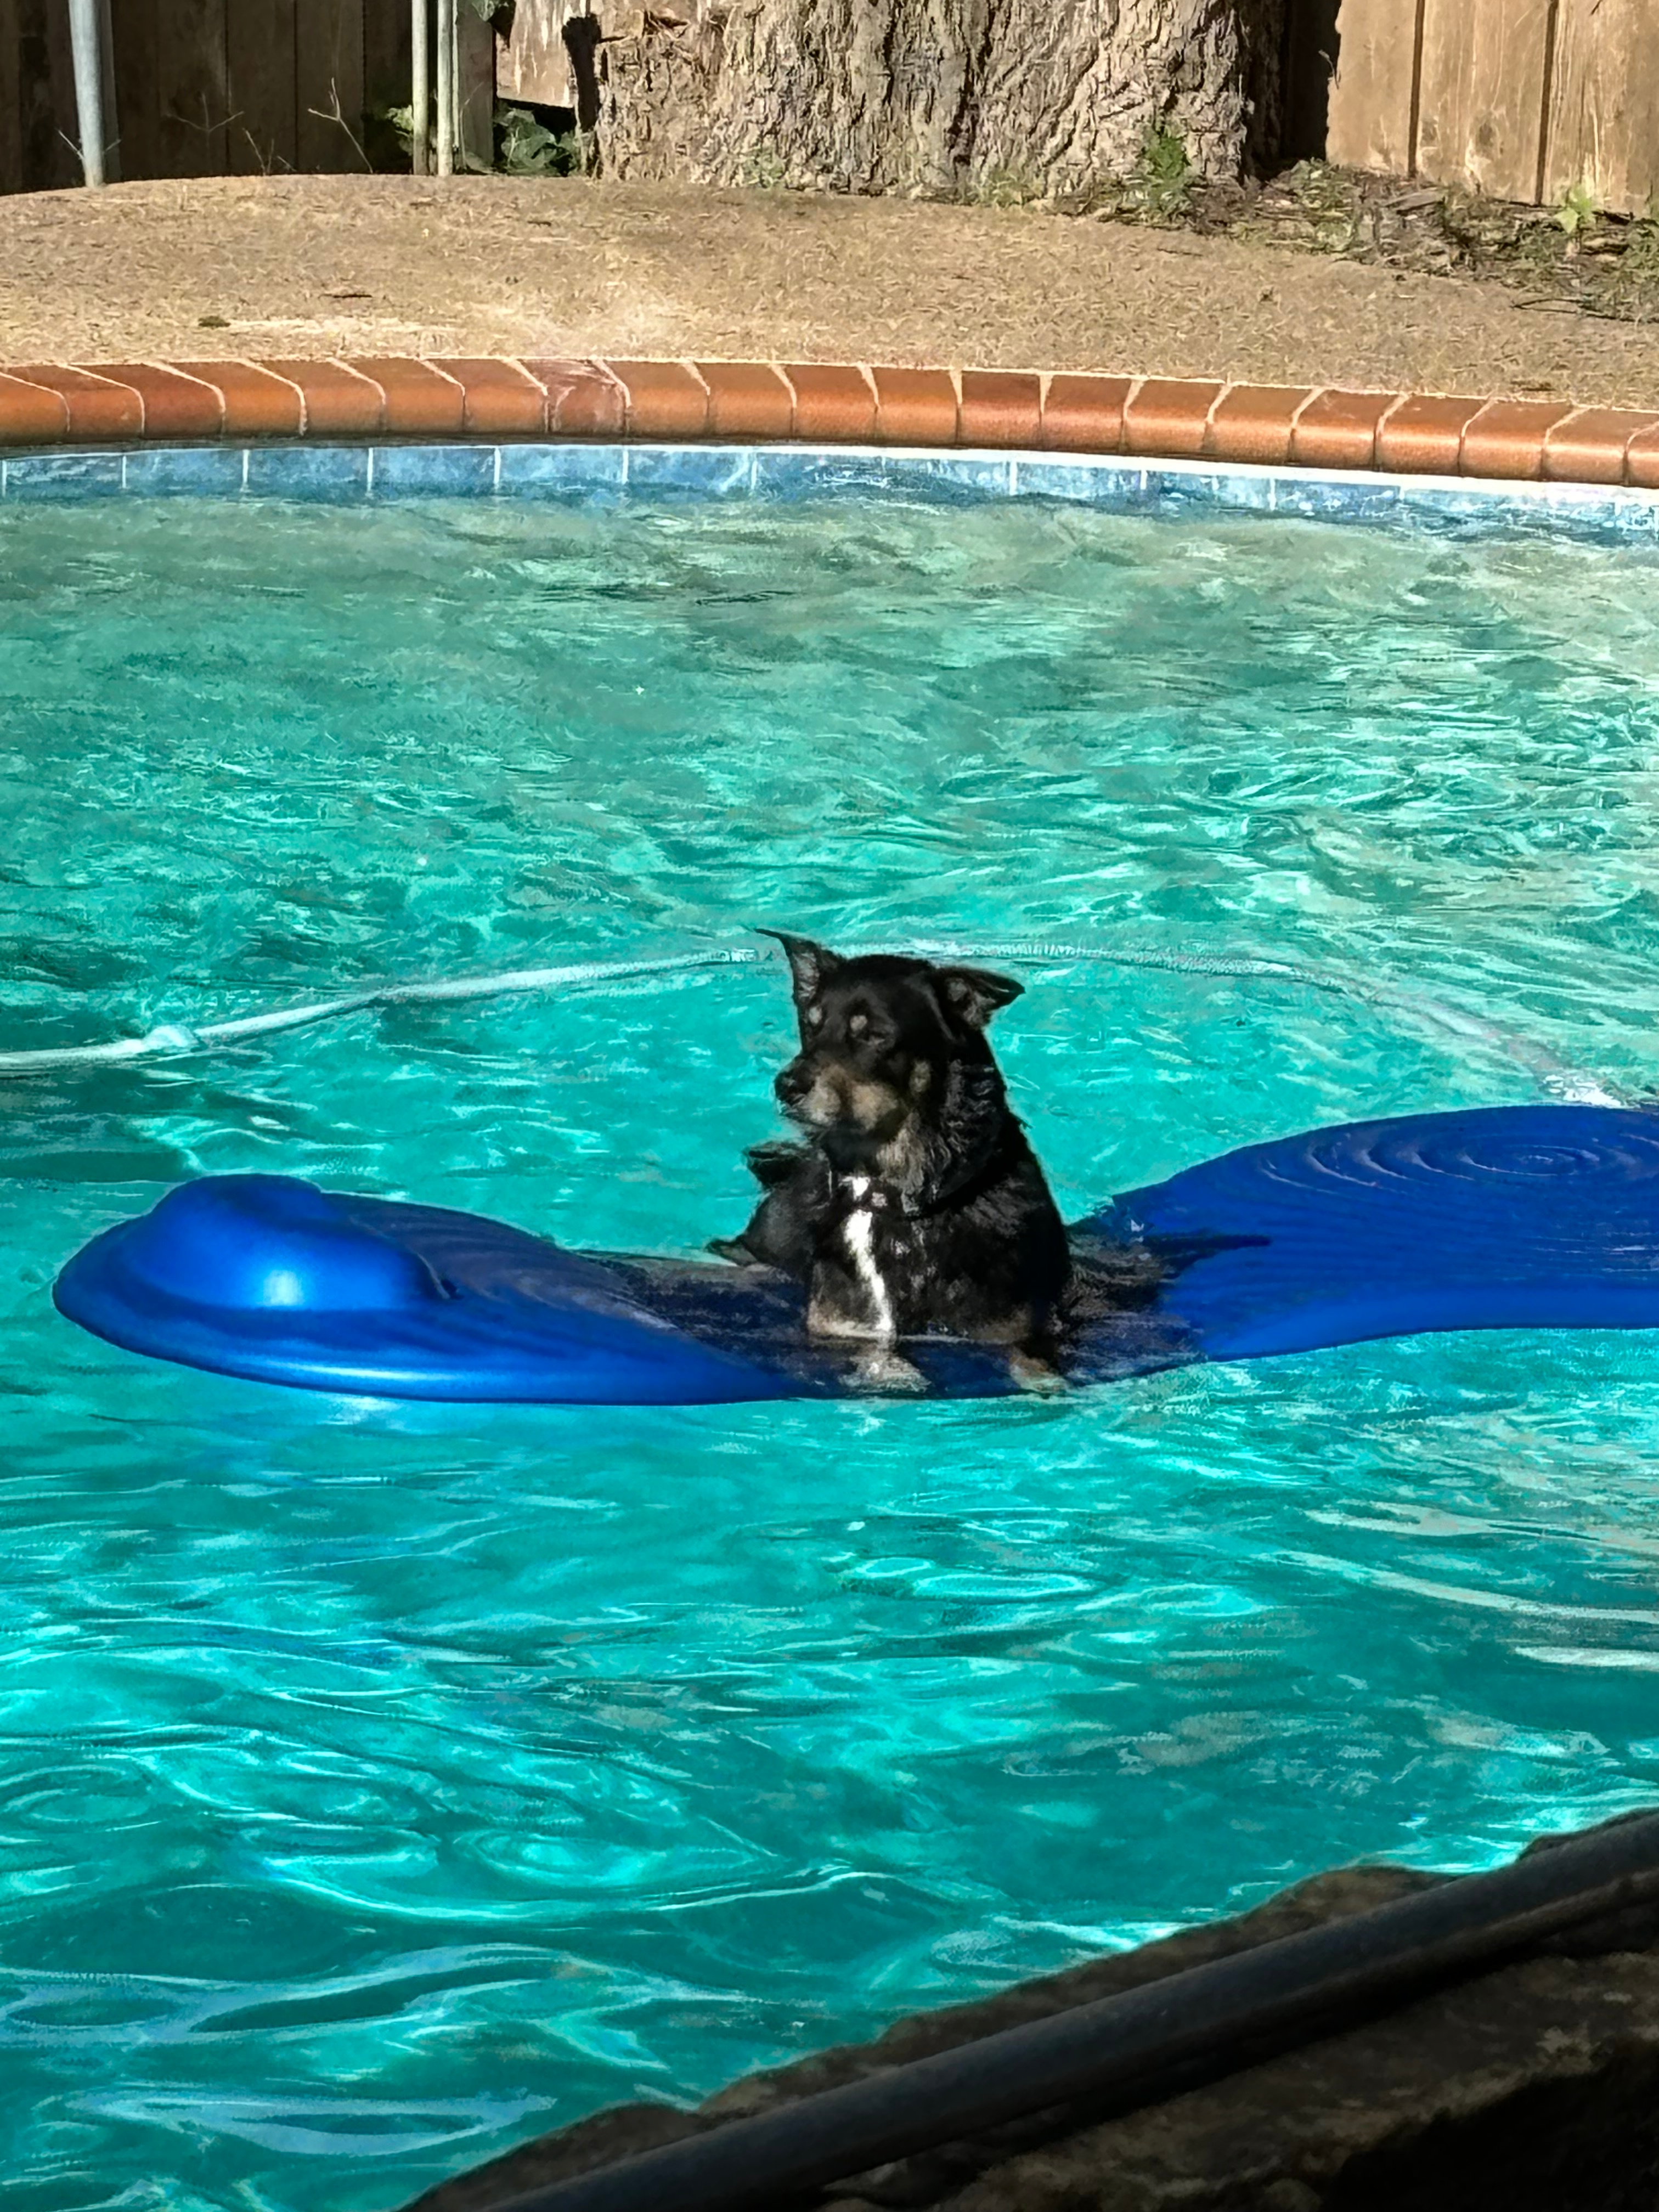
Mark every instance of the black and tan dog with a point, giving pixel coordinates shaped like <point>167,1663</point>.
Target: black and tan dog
<point>916,1206</point>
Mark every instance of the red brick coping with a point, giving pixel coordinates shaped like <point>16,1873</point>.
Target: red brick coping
<point>190,402</point>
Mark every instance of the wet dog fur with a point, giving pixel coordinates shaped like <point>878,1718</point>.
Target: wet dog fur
<point>914,1205</point>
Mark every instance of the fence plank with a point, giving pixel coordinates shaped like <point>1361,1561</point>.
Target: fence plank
<point>1369,124</point>
<point>475,85</point>
<point>138,89</point>
<point>47,97</point>
<point>1307,58</point>
<point>387,60</point>
<point>329,66</point>
<point>194,76</point>
<point>1603,125</point>
<point>531,62</point>
<point>11,100</point>
<point>259,56</point>
<point>1481,105</point>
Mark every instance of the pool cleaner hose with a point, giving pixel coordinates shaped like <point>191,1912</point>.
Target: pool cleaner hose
<point>1557,1078</point>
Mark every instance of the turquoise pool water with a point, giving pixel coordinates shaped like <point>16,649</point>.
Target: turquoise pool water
<point>380,1784</point>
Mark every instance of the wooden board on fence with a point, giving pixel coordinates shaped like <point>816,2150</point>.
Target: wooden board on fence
<point>387,58</point>
<point>1369,124</point>
<point>328,74</point>
<point>259,59</point>
<point>138,90</point>
<point>51,137</point>
<point>195,89</point>
<point>475,85</point>
<point>171,88</point>
<point>1481,98</point>
<point>11,100</point>
<point>532,63</point>
<point>1603,128</point>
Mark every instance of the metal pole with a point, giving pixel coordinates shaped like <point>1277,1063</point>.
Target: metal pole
<point>86,26</point>
<point>445,27</point>
<point>454,8</point>
<point>420,97</point>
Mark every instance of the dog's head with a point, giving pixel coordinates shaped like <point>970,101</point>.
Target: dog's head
<point>891,1049</point>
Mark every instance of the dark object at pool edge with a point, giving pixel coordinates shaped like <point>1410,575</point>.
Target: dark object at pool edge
<point>1139,2046</point>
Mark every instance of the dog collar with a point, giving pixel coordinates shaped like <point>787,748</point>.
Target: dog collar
<point>863,1191</point>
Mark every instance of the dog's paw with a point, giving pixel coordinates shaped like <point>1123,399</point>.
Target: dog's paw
<point>886,1372</point>
<point>733,1248</point>
<point>774,1162</point>
<point>1035,1377</point>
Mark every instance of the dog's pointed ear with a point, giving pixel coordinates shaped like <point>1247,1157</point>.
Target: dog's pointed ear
<point>973,995</point>
<point>811,966</point>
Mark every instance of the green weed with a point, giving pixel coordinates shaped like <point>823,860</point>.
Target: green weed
<point>1005,184</point>
<point>526,147</point>
<point>1327,201</point>
<point>765,170</point>
<point>1577,212</point>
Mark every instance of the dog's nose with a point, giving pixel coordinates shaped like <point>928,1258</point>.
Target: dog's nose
<point>791,1085</point>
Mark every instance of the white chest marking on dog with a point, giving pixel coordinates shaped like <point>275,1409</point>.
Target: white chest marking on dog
<point>860,1244</point>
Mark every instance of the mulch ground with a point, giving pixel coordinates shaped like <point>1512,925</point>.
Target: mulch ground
<point>1313,280</point>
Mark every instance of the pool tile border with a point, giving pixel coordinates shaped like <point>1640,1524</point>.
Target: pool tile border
<point>1084,414</point>
<point>601,472</point>
<point>833,403</point>
<point>662,399</point>
<point>1167,420</point>
<point>255,401</point>
<point>915,407</point>
<point>1338,430</point>
<point>419,399</point>
<point>1253,422</point>
<point>1423,435</point>
<point>747,399</point>
<point>335,401</point>
<point>1001,407</point>
<point>449,400</point>
<point>95,408</point>
<point>1507,437</point>
<point>172,403</point>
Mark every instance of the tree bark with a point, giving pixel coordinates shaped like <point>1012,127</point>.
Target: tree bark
<point>975,98</point>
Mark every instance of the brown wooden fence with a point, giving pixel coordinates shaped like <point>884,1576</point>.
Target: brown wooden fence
<point>1523,100</point>
<point>226,87</point>
<point>204,87</point>
<point>37,94</point>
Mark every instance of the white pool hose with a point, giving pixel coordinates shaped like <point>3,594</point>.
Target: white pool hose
<point>171,1040</point>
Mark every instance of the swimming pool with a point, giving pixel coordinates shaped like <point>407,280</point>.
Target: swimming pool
<point>381,1783</point>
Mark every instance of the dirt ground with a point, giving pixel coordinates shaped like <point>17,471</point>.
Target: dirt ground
<point>554,266</point>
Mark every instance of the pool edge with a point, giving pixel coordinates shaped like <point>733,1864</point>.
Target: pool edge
<point>106,412</point>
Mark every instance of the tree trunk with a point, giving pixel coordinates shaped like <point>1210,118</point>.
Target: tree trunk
<point>1016,98</point>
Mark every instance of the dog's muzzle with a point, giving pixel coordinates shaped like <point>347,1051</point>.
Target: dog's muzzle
<point>791,1086</point>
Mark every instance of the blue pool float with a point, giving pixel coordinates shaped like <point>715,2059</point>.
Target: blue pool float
<point>1517,1217</point>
